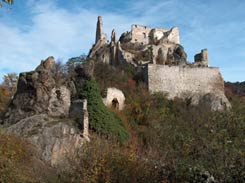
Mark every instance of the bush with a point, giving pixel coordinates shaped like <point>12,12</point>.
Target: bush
<point>5,97</point>
<point>101,119</point>
<point>13,154</point>
<point>112,163</point>
<point>20,162</point>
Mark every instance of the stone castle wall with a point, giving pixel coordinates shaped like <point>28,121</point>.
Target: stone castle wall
<point>140,34</point>
<point>183,82</point>
<point>177,80</point>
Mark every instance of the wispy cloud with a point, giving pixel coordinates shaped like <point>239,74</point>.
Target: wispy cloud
<point>64,30</point>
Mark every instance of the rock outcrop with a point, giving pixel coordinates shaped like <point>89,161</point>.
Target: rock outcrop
<point>37,93</point>
<point>40,109</point>
<point>56,140</point>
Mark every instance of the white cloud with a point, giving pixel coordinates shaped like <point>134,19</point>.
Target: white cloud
<point>57,31</point>
<point>53,31</point>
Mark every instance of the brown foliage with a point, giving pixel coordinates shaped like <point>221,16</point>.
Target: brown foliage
<point>5,97</point>
<point>19,162</point>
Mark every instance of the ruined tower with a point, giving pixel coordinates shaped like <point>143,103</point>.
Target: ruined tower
<point>202,58</point>
<point>113,48</point>
<point>113,37</point>
<point>100,35</point>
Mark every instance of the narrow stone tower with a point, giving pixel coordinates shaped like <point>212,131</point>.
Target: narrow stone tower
<point>100,35</point>
<point>113,48</point>
<point>113,37</point>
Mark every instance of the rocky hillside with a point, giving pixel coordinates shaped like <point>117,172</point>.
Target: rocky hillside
<point>51,112</point>
<point>45,135</point>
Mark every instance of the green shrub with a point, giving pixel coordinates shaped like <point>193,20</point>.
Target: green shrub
<point>101,119</point>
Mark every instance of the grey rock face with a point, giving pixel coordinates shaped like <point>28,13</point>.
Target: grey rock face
<point>55,139</point>
<point>216,102</point>
<point>37,94</point>
<point>59,102</point>
<point>39,109</point>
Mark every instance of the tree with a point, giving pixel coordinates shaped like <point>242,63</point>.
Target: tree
<point>73,62</point>
<point>7,1</point>
<point>10,80</point>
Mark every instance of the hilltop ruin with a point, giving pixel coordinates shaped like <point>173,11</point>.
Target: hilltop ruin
<point>157,52</point>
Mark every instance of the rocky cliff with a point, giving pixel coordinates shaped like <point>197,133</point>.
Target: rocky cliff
<point>47,114</point>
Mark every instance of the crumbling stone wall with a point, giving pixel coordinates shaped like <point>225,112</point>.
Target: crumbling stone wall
<point>140,34</point>
<point>147,35</point>
<point>201,59</point>
<point>114,98</point>
<point>100,35</point>
<point>159,36</point>
<point>186,81</point>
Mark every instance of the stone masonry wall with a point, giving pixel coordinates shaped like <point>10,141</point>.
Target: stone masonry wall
<point>184,82</point>
<point>140,34</point>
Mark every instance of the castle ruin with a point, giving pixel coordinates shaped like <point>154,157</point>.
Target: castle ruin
<point>157,52</point>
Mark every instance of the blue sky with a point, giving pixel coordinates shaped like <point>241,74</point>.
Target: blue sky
<point>32,30</point>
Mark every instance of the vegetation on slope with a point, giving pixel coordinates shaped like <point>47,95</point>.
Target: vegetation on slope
<point>102,120</point>
<point>169,141</point>
<point>176,143</point>
<point>19,162</point>
<point>185,143</point>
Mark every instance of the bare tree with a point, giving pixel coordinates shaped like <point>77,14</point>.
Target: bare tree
<point>10,80</point>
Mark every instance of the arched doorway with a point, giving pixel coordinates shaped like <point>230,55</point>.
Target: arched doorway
<point>115,103</point>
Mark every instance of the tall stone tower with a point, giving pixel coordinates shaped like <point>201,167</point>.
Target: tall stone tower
<point>100,35</point>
